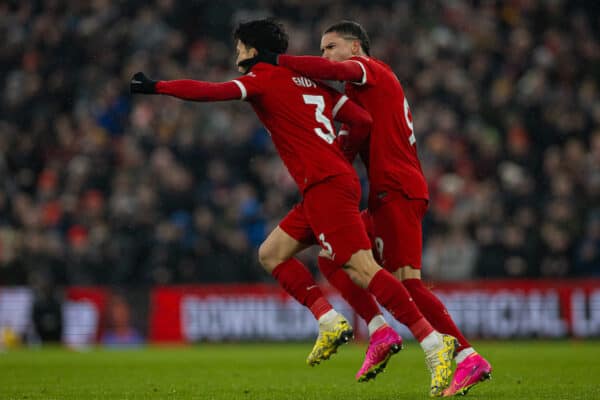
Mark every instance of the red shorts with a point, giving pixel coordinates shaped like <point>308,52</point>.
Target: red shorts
<point>329,215</point>
<point>397,234</point>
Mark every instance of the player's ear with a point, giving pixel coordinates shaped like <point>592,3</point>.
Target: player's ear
<point>355,47</point>
<point>253,52</point>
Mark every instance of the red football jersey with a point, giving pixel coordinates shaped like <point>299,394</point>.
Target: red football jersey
<point>298,113</point>
<point>392,157</point>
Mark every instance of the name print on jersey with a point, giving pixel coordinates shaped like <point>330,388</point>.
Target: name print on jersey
<point>303,82</point>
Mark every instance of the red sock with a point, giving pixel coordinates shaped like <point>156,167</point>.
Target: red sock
<point>421,329</point>
<point>434,310</point>
<point>295,278</point>
<point>392,294</point>
<point>359,299</point>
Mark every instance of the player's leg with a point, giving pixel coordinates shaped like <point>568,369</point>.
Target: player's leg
<point>388,291</point>
<point>439,348</point>
<point>384,341</point>
<point>332,212</point>
<point>401,218</point>
<point>333,215</point>
<point>276,255</point>
<point>431,306</point>
<point>358,298</point>
<point>471,367</point>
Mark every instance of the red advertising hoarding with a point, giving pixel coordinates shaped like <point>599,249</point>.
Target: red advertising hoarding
<point>482,309</point>
<point>500,309</point>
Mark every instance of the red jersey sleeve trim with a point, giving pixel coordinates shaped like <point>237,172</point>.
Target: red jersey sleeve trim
<point>242,89</point>
<point>339,105</point>
<point>364,76</point>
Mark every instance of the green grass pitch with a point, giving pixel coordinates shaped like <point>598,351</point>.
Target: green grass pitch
<point>522,370</point>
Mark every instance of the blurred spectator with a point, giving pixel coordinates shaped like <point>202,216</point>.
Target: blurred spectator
<point>119,331</point>
<point>450,257</point>
<point>588,253</point>
<point>46,313</point>
<point>97,187</point>
<point>47,317</point>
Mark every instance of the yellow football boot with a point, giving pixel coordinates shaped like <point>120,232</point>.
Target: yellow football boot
<point>331,336</point>
<point>439,363</point>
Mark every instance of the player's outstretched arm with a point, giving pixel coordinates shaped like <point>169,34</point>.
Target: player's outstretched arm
<point>187,89</point>
<point>356,129</point>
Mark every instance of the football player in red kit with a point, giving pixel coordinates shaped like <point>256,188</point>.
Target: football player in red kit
<point>298,113</point>
<point>398,196</point>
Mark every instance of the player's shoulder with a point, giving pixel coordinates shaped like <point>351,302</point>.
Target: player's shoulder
<point>290,81</point>
<point>371,63</point>
<point>380,74</point>
<point>364,60</point>
<point>299,81</point>
<point>261,70</point>
<point>361,58</point>
<point>281,75</point>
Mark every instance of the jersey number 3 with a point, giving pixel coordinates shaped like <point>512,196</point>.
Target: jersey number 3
<point>319,101</point>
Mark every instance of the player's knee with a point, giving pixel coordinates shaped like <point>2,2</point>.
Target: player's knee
<point>362,267</point>
<point>267,256</point>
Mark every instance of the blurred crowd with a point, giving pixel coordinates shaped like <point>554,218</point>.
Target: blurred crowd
<point>97,187</point>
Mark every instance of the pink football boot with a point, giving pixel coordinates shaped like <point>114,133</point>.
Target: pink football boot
<point>384,343</point>
<point>470,372</point>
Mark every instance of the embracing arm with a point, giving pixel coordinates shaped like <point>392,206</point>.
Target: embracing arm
<point>321,68</point>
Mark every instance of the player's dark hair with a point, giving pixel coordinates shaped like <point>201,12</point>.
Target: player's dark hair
<point>265,34</point>
<point>352,30</point>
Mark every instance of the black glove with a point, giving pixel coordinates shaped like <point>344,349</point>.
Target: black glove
<point>265,56</point>
<point>140,83</point>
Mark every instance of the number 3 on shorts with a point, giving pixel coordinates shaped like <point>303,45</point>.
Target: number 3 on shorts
<point>326,246</point>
